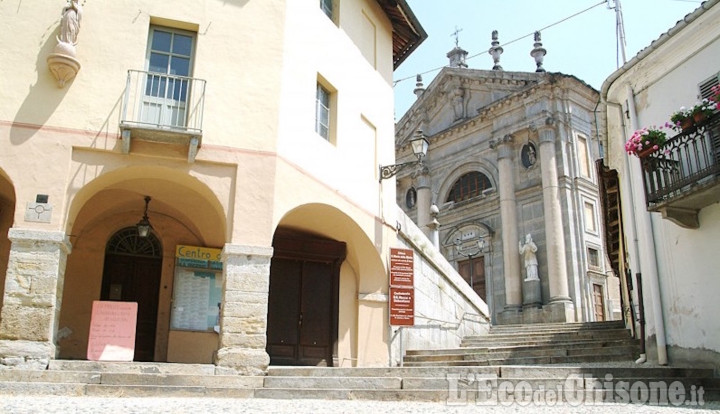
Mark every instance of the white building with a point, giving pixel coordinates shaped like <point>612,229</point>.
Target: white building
<point>667,217</point>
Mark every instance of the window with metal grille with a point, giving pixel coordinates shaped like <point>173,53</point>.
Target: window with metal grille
<point>468,186</point>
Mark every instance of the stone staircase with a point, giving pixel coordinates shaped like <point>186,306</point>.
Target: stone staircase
<point>569,343</point>
<point>574,362</point>
<point>459,385</point>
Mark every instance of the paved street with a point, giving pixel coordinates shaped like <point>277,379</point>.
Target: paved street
<point>50,404</point>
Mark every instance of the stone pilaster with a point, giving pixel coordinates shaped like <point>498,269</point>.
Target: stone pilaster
<point>424,200</point>
<point>560,306</point>
<point>243,320</point>
<point>508,217</point>
<point>33,296</point>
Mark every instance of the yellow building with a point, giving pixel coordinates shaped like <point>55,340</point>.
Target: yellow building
<point>244,132</point>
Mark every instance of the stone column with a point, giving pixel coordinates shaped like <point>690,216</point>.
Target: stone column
<point>560,305</point>
<point>33,296</point>
<point>243,320</point>
<point>424,200</point>
<point>508,216</point>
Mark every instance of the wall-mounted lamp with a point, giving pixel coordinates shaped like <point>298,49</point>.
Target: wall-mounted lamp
<point>143,226</point>
<point>419,147</point>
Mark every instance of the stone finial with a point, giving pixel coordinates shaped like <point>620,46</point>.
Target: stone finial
<point>62,62</point>
<point>495,50</point>
<point>419,87</point>
<point>457,57</point>
<point>538,53</point>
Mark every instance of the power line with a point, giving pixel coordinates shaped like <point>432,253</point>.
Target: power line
<point>510,42</point>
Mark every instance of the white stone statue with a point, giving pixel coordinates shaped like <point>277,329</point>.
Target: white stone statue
<point>528,252</point>
<point>70,22</point>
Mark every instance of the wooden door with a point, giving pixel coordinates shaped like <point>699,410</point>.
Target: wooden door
<point>136,279</point>
<point>599,302</point>
<point>300,312</point>
<point>473,271</point>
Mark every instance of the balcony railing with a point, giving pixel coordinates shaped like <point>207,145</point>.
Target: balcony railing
<point>162,108</point>
<point>684,176</point>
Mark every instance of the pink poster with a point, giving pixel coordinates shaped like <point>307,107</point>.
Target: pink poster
<point>112,331</point>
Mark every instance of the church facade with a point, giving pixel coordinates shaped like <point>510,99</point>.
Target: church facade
<point>510,170</point>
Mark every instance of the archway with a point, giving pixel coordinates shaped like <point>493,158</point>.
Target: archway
<point>361,273</point>
<point>132,273</point>
<point>7,212</point>
<point>303,299</point>
<point>183,211</point>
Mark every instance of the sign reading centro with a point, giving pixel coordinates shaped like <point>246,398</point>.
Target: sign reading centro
<point>198,257</point>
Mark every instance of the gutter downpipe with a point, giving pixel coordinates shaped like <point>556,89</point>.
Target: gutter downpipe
<point>645,244</point>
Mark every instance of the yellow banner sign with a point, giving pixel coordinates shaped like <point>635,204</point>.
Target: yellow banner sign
<point>199,253</point>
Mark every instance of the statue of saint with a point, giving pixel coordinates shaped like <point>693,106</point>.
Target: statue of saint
<point>70,22</point>
<point>527,251</point>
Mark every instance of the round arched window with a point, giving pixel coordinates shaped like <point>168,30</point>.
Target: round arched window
<point>468,186</point>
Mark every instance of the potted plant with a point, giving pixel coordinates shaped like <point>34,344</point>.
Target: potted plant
<point>645,141</point>
<point>703,110</point>
<point>682,119</point>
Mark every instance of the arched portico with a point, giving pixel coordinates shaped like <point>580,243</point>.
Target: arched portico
<point>7,211</point>
<point>356,282</point>
<point>183,212</point>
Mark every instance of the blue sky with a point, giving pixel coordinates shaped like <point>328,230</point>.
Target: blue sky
<point>584,46</point>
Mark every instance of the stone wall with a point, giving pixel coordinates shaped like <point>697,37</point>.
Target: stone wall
<point>446,308</point>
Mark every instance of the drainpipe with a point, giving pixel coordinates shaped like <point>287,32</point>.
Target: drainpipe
<point>645,244</point>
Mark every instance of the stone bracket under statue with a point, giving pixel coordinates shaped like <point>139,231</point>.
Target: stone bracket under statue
<point>62,62</point>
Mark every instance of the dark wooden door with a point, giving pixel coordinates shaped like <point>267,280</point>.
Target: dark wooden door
<point>473,271</point>
<point>300,312</point>
<point>136,279</point>
<point>599,302</point>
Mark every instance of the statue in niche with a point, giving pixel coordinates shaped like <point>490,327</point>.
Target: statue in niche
<point>457,103</point>
<point>528,155</point>
<point>70,22</point>
<point>528,252</point>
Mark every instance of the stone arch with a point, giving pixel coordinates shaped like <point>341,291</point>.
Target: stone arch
<point>7,213</point>
<point>483,167</point>
<point>362,272</point>
<point>183,210</point>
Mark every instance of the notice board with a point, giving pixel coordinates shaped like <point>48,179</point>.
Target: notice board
<point>402,287</point>
<point>112,331</point>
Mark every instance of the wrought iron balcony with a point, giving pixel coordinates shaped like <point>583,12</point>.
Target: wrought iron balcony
<point>163,108</point>
<point>684,176</point>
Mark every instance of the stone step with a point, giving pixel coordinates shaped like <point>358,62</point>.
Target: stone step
<point>613,355</point>
<point>134,378</point>
<point>630,350</point>
<point>524,347</point>
<point>576,326</point>
<point>324,382</point>
<point>583,335</point>
<point>132,367</point>
<point>276,371</point>
<point>117,390</point>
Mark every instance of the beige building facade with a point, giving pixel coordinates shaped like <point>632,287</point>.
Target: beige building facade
<point>508,190</point>
<point>247,134</point>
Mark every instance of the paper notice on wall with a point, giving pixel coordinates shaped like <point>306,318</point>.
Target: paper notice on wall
<point>112,331</point>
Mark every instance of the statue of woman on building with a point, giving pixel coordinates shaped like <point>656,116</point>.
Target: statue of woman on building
<point>70,22</point>
<point>528,251</point>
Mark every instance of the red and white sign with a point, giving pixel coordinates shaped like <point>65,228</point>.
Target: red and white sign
<point>402,287</point>
<point>402,306</point>
<point>112,331</point>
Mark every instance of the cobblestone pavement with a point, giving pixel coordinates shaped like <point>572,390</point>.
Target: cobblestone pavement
<point>50,404</point>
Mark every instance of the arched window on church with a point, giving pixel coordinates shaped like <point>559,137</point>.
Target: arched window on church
<point>468,186</point>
